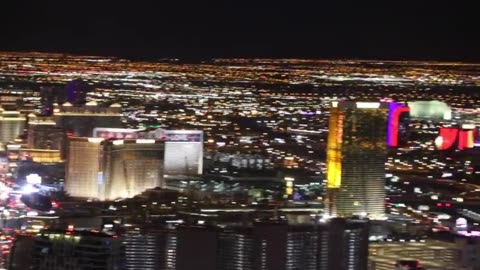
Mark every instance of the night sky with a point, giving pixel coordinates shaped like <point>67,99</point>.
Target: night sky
<point>201,29</point>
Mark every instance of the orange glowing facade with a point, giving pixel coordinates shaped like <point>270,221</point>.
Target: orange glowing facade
<point>356,156</point>
<point>334,149</point>
<point>466,139</point>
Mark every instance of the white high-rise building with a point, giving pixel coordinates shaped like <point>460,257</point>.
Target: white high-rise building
<point>111,169</point>
<point>183,148</point>
<point>183,152</point>
<point>12,124</point>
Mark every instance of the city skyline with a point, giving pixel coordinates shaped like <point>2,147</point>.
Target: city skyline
<point>185,136</point>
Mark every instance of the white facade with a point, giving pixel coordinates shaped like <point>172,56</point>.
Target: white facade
<point>113,169</point>
<point>183,152</point>
<point>12,124</point>
<point>82,175</point>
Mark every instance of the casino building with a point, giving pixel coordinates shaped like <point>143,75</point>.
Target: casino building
<point>111,169</point>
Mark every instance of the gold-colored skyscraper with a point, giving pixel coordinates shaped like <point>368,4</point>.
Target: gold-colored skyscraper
<point>356,155</point>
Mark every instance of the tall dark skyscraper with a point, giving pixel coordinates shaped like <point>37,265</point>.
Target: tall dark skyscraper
<point>49,96</point>
<point>21,256</point>
<point>340,244</point>
<point>356,156</point>
<point>59,249</point>
<point>191,256</point>
<point>77,92</point>
<point>150,249</point>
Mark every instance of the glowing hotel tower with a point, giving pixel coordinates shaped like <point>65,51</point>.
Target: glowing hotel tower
<point>112,169</point>
<point>356,155</point>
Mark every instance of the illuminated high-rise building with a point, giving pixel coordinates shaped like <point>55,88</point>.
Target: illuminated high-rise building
<point>150,249</point>
<point>183,148</point>
<point>83,167</point>
<point>356,156</point>
<point>12,124</point>
<point>111,169</point>
<point>42,133</point>
<point>131,167</point>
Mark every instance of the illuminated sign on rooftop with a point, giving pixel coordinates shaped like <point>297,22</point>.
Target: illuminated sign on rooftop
<point>183,135</point>
<point>396,128</point>
<point>368,105</point>
<point>156,134</point>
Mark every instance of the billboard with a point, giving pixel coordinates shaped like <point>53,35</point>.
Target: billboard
<point>115,133</point>
<point>171,136</point>
<point>127,133</point>
<point>449,136</point>
<point>446,138</point>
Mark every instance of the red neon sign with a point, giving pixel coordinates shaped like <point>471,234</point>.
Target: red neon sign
<point>449,136</point>
<point>395,123</point>
<point>465,139</point>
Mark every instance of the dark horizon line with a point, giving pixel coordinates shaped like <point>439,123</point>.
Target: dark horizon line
<point>185,57</point>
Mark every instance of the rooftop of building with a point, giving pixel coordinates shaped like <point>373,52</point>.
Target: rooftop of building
<point>92,233</point>
<point>350,104</point>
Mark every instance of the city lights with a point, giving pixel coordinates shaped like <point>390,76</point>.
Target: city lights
<point>245,156</point>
